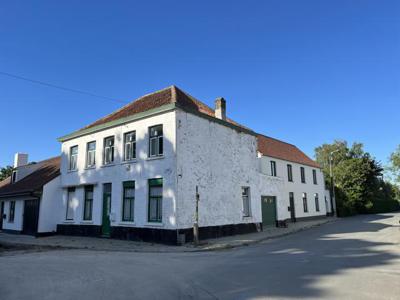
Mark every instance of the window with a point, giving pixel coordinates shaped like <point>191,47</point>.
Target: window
<point>273,168</point>
<point>91,154</point>
<point>156,141</point>
<point>128,205</point>
<point>289,173</point>
<point>14,176</point>
<point>73,157</point>
<point>88,206</point>
<point>246,201</point>
<point>155,200</point>
<point>303,175</point>
<point>11,212</point>
<point>129,145</point>
<point>305,204</point>
<point>316,202</point>
<point>314,175</point>
<point>70,204</point>
<point>108,150</point>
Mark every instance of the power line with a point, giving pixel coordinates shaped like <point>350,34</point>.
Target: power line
<point>60,87</point>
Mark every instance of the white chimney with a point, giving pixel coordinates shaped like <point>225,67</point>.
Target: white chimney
<point>20,159</point>
<point>220,108</point>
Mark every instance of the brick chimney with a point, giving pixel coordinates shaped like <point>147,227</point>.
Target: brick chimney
<point>220,108</point>
<point>20,159</point>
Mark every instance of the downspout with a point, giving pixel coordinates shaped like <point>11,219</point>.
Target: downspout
<point>177,176</point>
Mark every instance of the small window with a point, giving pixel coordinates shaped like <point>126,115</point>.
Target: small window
<point>108,150</point>
<point>155,200</point>
<point>303,175</point>
<point>289,173</point>
<point>73,157</point>
<point>70,204</point>
<point>11,212</point>
<point>128,205</point>
<point>88,206</point>
<point>14,176</point>
<point>314,175</point>
<point>316,202</point>
<point>156,141</point>
<point>305,204</point>
<point>129,145</point>
<point>273,168</point>
<point>91,154</point>
<point>246,201</point>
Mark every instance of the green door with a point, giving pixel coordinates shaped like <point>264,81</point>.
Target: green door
<point>268,209</point>
<point>105,228</point>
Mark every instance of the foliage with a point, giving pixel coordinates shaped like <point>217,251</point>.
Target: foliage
<point>359,186</point>
<point>395,164</point>
<point>5,172</point>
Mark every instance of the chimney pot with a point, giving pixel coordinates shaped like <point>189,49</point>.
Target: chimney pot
<point>220,108</point>
<point>20,159</point>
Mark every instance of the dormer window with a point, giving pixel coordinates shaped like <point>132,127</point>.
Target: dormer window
<point>14,176</point>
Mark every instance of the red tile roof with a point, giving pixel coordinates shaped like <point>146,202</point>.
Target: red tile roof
<point>165,96</point>
<point>35,181</point>
<point>278,149</point>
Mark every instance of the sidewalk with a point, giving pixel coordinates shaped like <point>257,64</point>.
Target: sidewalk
<point>103,244</point>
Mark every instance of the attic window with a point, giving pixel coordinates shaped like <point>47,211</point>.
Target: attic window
<point>14,176</point>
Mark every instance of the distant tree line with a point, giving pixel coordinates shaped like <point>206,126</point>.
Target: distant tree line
<point>359,182</point>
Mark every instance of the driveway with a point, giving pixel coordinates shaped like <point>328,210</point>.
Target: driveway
<point>353,258</point>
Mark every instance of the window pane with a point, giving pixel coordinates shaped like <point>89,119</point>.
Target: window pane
<point>129,193</point>
<point>156,191</point>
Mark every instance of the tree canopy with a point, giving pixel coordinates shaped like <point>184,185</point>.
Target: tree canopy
<point>358,177</point>
<point>5,172</point>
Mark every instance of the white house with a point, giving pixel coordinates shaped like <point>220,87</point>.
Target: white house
<point>133,174</point>
<point>303,193</point>
<point>30,199</point>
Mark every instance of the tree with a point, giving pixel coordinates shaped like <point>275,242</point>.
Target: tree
<point>358,177</point>
<point>395,164</point>
<point>5,172</point>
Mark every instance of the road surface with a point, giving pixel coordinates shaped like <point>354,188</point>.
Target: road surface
<point>353,258</point>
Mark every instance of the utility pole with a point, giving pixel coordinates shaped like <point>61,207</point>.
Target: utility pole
<point>332,182</point>
<point>196,219</point>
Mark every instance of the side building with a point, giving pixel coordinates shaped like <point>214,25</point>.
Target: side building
<point>30,199</point>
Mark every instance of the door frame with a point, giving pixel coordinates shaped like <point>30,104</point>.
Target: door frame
<point>23,231</point>
<point>109,212</point>
<point>276,209</point>
<point>1,214</point>
<point>292,206</point>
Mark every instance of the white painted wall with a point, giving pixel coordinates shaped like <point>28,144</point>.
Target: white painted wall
<point>220,160</point>
<point>140,171</point>
<point>18,215</point>
<point>50,209</point>
<point>297,187</point>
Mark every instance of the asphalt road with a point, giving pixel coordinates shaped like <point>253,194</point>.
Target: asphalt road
<point>353,258</point>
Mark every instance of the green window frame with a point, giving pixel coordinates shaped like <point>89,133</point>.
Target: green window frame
<point>11,212</point>
<point>91,154</point>
<point>73,158</point>
<point>314,173</point>
<point>156,141</point>
<point>273,168</point>
<point>289,173</point>
<point>316,202</point>
<point>155,200</point>
<point>88,205</point>
<point>128,201</point>
<point>305,204</point>
<point>303,175</point>
<point>129,145</point>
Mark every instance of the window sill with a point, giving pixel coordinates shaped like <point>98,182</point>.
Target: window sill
<point>126,223</point>
<point>155,157</point>
<point>87,222</point>
<point>247,217</point>
<point>90,168</point>
<point>69,222</point>
<point>72,171</point>
<point>107,165</point>
<point>154,224</point>
<point>126,162</point>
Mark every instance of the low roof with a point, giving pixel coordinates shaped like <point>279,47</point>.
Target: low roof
<point>171,95</point>
<point>34,182</point>
<point>269,146</point>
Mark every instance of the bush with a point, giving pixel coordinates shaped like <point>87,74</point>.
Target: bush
<point>382,206</point>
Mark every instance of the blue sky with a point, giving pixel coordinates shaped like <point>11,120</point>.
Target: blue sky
<point>306,72</point>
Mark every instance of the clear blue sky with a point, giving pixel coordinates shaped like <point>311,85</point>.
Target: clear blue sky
<point>307,72</point>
